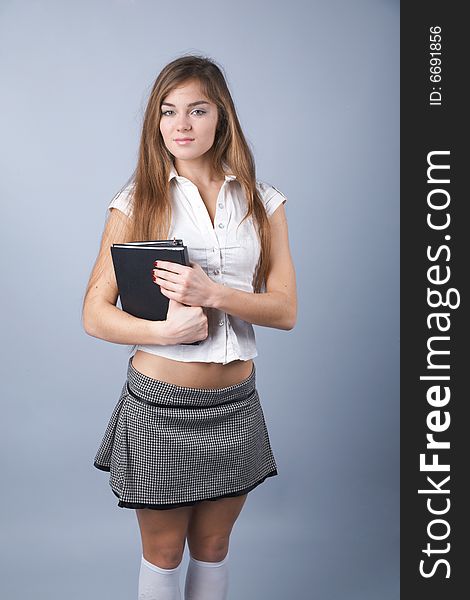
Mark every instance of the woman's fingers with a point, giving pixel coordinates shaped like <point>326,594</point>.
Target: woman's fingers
<point>169,285</point>
<point>166,275</point>
<point>170,266</point>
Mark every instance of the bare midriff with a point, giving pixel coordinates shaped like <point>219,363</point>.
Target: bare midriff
<point>192,374</point>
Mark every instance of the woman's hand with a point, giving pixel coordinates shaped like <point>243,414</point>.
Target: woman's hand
<point>185,324</point>
<point>187,285</point>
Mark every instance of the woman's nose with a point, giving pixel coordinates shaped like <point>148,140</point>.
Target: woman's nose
<point>183,123</point>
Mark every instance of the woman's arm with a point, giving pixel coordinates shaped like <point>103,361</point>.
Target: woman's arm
<point>100,316</point>
<point>277,307</point>
<point>102,319</point>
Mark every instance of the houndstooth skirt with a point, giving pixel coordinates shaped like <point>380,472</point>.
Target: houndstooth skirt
<point>167,446</point>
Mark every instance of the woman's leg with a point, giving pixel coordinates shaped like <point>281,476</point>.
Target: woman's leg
<point>163,535</point>
<point>208,536</point>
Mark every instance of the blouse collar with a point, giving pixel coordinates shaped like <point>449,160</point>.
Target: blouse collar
<point>174,173</point>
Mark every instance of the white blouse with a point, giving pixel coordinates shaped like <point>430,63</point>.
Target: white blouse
<point>228,253</point>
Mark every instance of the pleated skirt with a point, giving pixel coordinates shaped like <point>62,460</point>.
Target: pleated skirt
<point>167,446</point>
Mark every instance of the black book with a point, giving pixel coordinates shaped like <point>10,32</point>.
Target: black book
<point>133,263</point>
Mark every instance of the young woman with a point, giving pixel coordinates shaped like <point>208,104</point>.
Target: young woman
<point>187,440</point>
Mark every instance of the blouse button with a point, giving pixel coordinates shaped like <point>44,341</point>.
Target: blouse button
<point>221,225</point>
<point>221,323</point>
<point>216,271</point>
<point>221,205</point>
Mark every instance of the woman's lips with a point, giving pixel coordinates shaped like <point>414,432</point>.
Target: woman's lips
<point>184,141</point>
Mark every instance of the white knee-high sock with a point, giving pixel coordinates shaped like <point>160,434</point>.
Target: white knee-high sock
<point>206,580</point>
<point>156,583</point>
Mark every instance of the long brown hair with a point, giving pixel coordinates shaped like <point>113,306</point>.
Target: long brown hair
<point>151,216</point>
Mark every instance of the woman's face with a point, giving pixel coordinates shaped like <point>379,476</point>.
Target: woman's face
<point>187,113</point>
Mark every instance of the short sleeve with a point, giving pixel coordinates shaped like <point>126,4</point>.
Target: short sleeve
<point>271,196</point>
<point>123,201</point>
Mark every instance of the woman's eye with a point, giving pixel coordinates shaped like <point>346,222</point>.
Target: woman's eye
<point>197,110</point>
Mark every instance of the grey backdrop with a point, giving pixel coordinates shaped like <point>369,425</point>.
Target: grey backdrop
<point>316,85</point>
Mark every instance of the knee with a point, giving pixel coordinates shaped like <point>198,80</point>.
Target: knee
<point>209,548</point>
<point>165,557</point>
